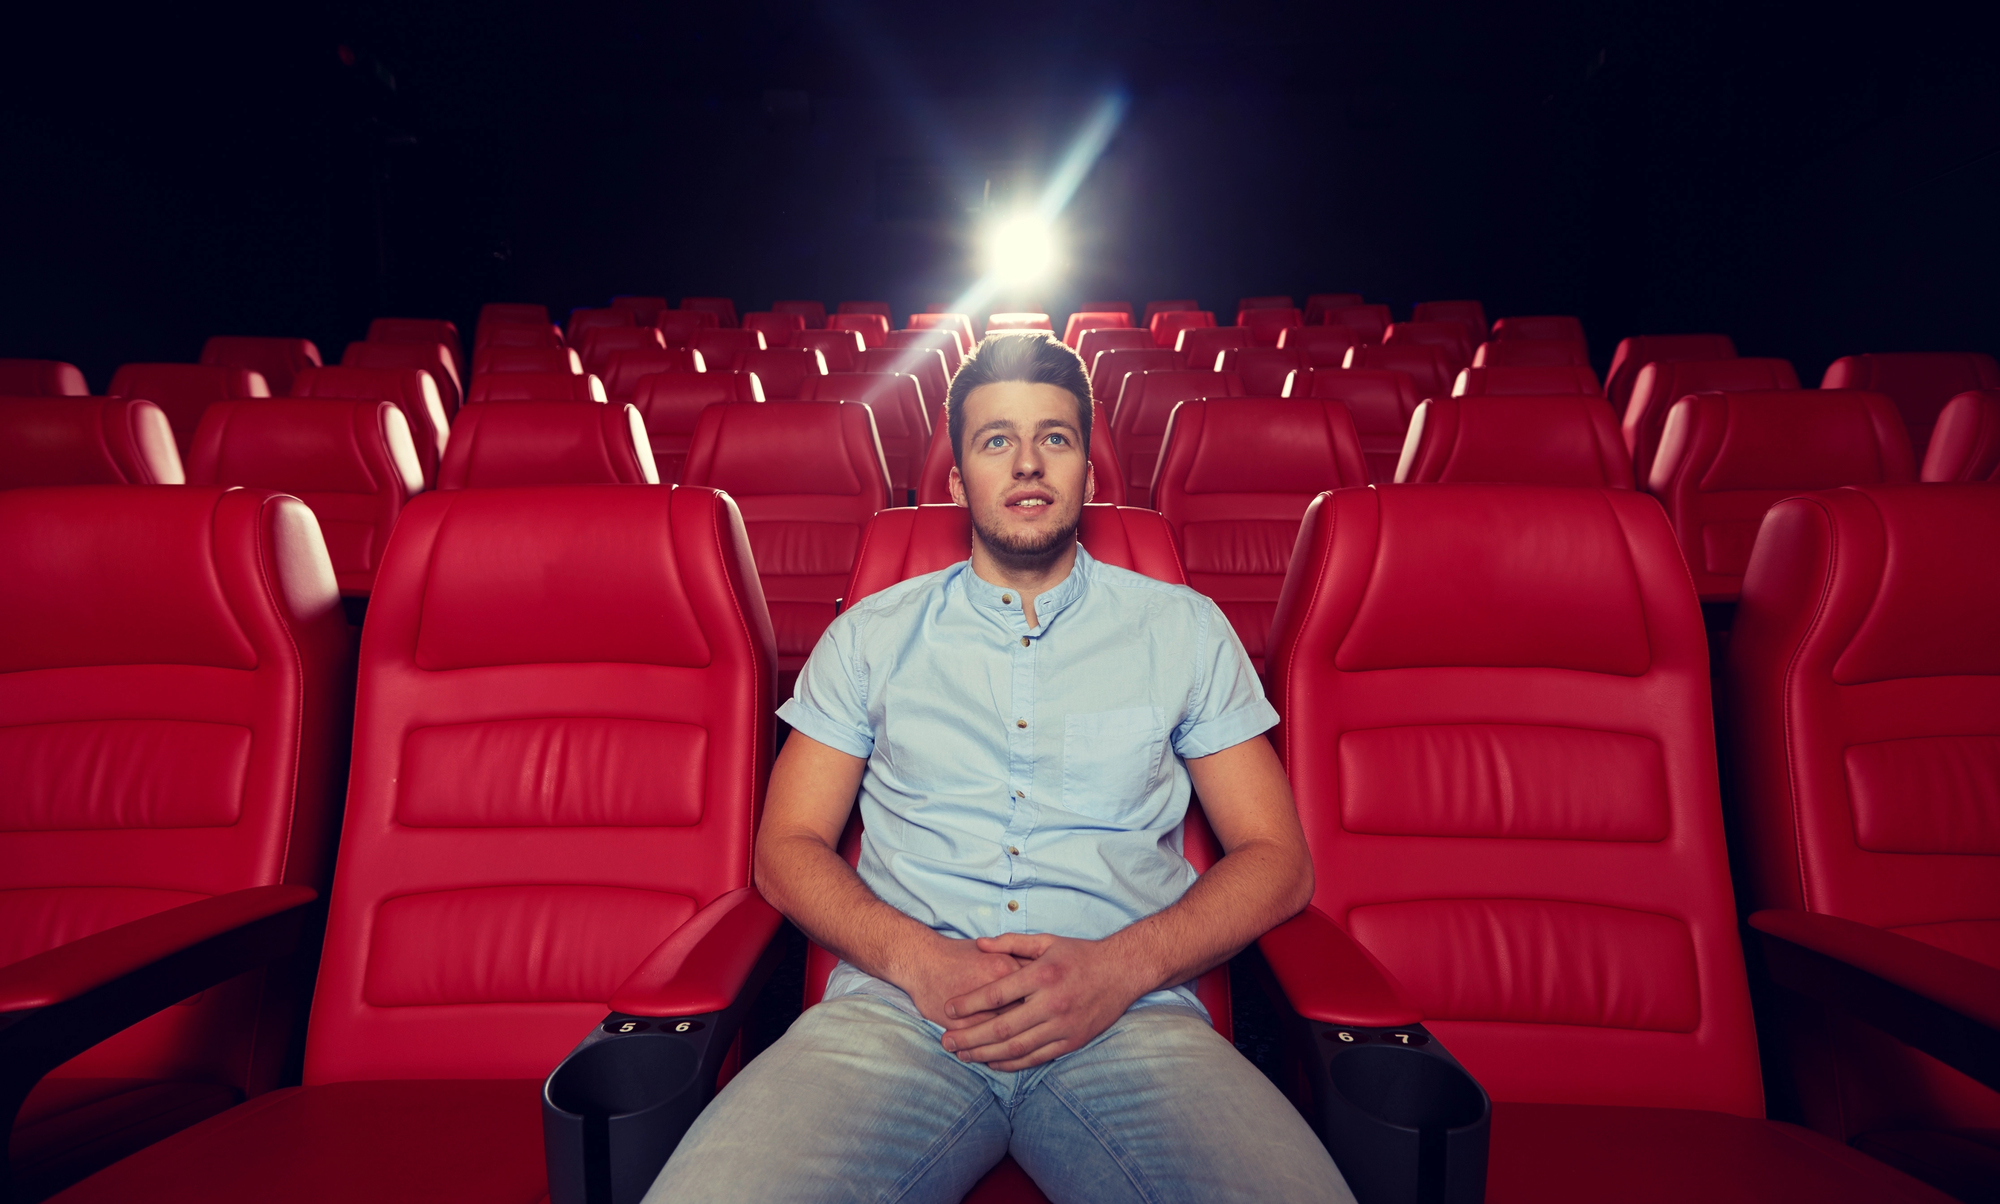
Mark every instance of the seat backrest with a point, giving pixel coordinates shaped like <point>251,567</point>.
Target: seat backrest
<point>1965,444</point>
<point>783,370</point>
<point>1267,324</point>
<point>1103,338</point>
<point>679,327</point>
<point>1538,379</point>
<point>1524,353</point>
<point>670,403</point>
<point>1018,321</point>
<point>865,307</point>
<point>1553,327</point>
<point>352,462</point>
<point>1323,346</point>
<point>1106,307</point>
<point>722,307</point>
<point>431,357</point>
<point>934,479</point>
<point>958,324</point>
<point>1429,368</point>
<point>1263,370</point>
<point>1199,345</point>
<point>515,334</point>
<point>900,418</point>
<point>1317,305</point>
<point>1450,337</point>
<point>1556,440</point>
<point>1380,402</point>
<point>560,749</point>
<point>412,389</point>
<point>600,343</point>
<point>278,361</point>
<point>841,349</point>
<point>1111,366</point>
<point>621,374</point>
<point>946,342</point>
<point>183,391</point>
<point>1662,383</point>
<point>1469,314</point>
<point>85,441</point>
<point>873,328</point>
<point>421,330</point>
<point>925,364</point>
<point>1458,669</point>
<point>775,327</point>
<point>814,312</point>
<point>1369,322</point>
<point>1919,383</point>
<point>495,312</point>
<point>41,378</point>
<point>1160,307</point>
<point>510,443</point>
<point>526,359</point>
<point>808,476</point>
<point>1168,324</point>
<point>171,731</point>
<point>1726,458</point>
<point>645,310</point>
<point>536,386</point>
<point>1083,320</point>
<point>721,347</point>
<point>1139,422</point>
<point>1235,478</point>
<point>1865,711</point>
<point>1637,351</point>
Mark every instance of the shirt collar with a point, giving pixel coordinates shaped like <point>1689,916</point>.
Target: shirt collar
<point>988,596</point>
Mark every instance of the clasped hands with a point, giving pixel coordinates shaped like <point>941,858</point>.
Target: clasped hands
<point>1018,1000</point>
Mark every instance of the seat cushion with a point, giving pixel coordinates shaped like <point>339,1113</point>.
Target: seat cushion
<point>382,1141</point>
<point>1006,1183</point>
<point>70,1127</point>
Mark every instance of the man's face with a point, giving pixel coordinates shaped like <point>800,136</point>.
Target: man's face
<point>1023,472</point>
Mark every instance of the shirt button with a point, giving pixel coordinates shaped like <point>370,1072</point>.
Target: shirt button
<point>1020,723</point>
<point>1007,598</point>
<point>1012,851</point>
<point>1020,794</point>
<point>1024,641</point>
<point>1013,906</point>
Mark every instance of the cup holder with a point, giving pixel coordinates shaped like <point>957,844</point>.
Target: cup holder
<point>613,1112</point>
<point>1403,1120</point>
<point>620,1077</point>
<point>1407,1087</point>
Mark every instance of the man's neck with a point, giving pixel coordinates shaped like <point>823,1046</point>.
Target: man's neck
<point>1028,578</point>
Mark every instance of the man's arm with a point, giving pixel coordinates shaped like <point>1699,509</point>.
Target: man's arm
<point>1073,990</point>
<point>800,871</point>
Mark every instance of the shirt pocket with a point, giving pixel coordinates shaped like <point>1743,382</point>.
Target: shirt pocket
<point>1111,761</point>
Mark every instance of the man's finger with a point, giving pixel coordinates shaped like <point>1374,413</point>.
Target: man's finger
<point>1017,944</point>
<point>1021,1046</point>
<point>993,996</point>
<point>1003,1025</point>
<point>1047,1053</point>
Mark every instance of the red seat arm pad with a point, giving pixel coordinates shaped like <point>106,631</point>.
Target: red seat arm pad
<point>1328,976</point>
<point>703,966</point>
<point>1970,988</point>
<point>69,970</point>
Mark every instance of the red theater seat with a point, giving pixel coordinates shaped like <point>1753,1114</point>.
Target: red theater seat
<point>352,462</point>
<point>1198,346</point>
<point>720,347</point>
<point>670,403</point>
<point>783,371</point>
<point>278,361</point>
<point>1562,440</point>
<point>1139,421</point>
<point>1018,321</point>
<point>645,310</point>
<point>172,710</point>
<point>1448,337</point>
<point>866,307</point>
<point>622,373</point>
<point>926,364</point>
<point>1639,350</point>
<point>1106,307</point>
<point>509,443</point>
<point>600,343</point>
<point>1457,669</point>
<point>1154,308</point>
<point>947,343</point>
<point>1110,367</point>
<point>1263,370</point>
<point>1234,479</point>
<point>840,348</point>
<point>1539,379</point>
<point>1559,328</point>
<point>775,327</point>
<point>1920,384</point>
<point>1168,324</point>
<point>525,359</point>
<point>1469,314</point>
<point>1531,353</point>
<point>1725,458</point>
<point>679,327</point>
<point>1428,368</point>
<point>958,324</point>
<point>494,312</point>
<point>1864,711</point>
<point>1368,322</point>
<point>722,307</point>
<point>901,422</point>
<point>1379,401</point>
<point>1107,338</point>
<point>85,441</point>
<point>41,378</point>
<point>1659,385</point>
<point>814,312</point>
<point>1268,325</point>
<point>1084,320</point>
<point>536,386</point>
<point>413,391</point>
<point>433,358</point>
<point>1324,346</point>
<point>560,747</point>
<point>1965,446</point>
<point>515,334</point>
<point>873,328</point>
<point>808,476</point>
<point>934,481</point>
<point>183,391</point>
<point>1318,303</point>
<point>421,330</point>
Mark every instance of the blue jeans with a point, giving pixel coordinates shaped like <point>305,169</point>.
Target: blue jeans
<point>860,1102</point>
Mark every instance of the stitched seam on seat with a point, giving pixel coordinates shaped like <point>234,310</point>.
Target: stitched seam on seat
<point>265,578</point>
<point>1785,703</point>
<point>762,701</point>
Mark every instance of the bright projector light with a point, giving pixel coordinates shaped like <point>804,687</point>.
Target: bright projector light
<point>1021,250</point>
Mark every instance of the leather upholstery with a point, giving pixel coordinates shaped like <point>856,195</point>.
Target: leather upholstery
<point>1469,314</point>
<point>1965,444</point>
<point>1140,421</point>
<point>783,371</point>
<point>276,360</point>
<point>512,443</point>
<point>515,334</point>
<point>1018,320</point>
<point>1560,440</point>
<point>1453,338</point>
<point>600,343</point>
<point>1920,384</point>
<point>183,391</point>
<point>721,347</point>
<point>1554,327</point>
<point>1324,346</point>
<point>1154,308</point>
<point>511,311</point>
<point>1106,307</point>
<point>1090,342</point>
<point>1267,325</point>
<point>1531,379</point>
<point>670,403</point>
<point>622,372</point>
<point>41,378</point>
<point>412,389</point>
<point>934,479</point>
<point>680,327</point>
<point>433,358</point>
<point>1234,479</point>
<point>900,420</point>
<point>775,327</point>
<point>944,341</point>
<point>536,386</point>
<point>814,312</point>
<point>840,348</point>
<point>85,441</point>
<point>957,323</point>
<point>352,462</point>
<point>865,307</point>
<point>1263,370</point>
<point>1639,350</point>
<point>171,714</point>
<point>1378,400</point>
<point>925,364</point>
<point>873,328</point>
<point>808,476</point>
<point>1725,458</point>
<point>1112,365</point>
<point>722,307</point>
<point>1086,320</point>
<point>1659,385</point>
<point>1369,322</point>
<point>1429,368</point>
<point>1317,304</point>
<point>1522,353</point>
<point>1199,346</point>
<point>422,330</point>
<point>1168,324</point>
<point>526,359</point>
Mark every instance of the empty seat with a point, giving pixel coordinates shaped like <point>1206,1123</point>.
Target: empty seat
<point>509,443</point>
<point>1104,338</point>
<point>1428,368</point>
<point>412,389</point>
<point>172,699</point>
<point>1369,322</point>
<point>814,312</point>
<point>1541,327</point>
<point>1168,324</point>
<point>183,391</point>
<point>1660,384</point>
<point>1110,368</point>
<point>41,378</point>
<point>945,342</point>
<point>1379,401</point>
<point>515,334</point>
<point>1965,445</point>
<point>536,386</point>
<point>1530,353</point>
<point>1139,420</point>
<point>512,311</point>
<point>926,364</point>
<point>1449,337</point>
<point>432,358</point>
<point>808,476</point>
<point>1018,321</point>
<point>670,404</point>
<point>441,331</point>
<point>1724,458</point>
<point>958,324</point>
<point>1318,303</point>
<point>783,371</point>
<point>873,328</point>
<point>1531,379</point>
<point>621,375</point>
<point>679,327</point>
<point>1106,307</point>
<point>1469,314</point>
<point>352,462</point>
<point>841,349</point>
<point>866,307</point>
<point>1639,350</point>
<point>1263,370</point>
<point>900,418</point>
<point>645,310</point>
<point>1268,325</point>
<point>1154,308</point>
<point>526,359</point>
<point>775,327</point>
<point>1561,440</point>
<point>719,347</point>
<point>1084,320</point>
<point>600,343</point>
<point>722,307</point>
<point>276,360</point>
<point>85,441</point>
<point>934,479</point>
<point>1199,346</point>
<point>1919,383</point>
<point>1323,346</point>
<point>1235,478</point>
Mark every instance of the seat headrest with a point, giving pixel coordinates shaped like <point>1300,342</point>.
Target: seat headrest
<point>535,386</point>
<point>85,441</point>
<point>910,541</point>
<point>41,378</point>
<point>828,448</point>
<point>1936,375</point>
<point>1260,445</point>
<point>512,311</point>
<point>600,341</point>
<point>672,401</point>
<point>514,443</point>
<point>1516,353</point>
<point>435,358</point>
<point>408,385</point>
<point>1539,326</point>
<point>1379,385</point>
<point>515,334</point>
<point>525,359</point>
<point>305,446</point>
<point>169,383</point>
<point>1527,380</point>
<point>413,330</point>
<point>624,370</point>
<point>1793,439</point>
<point>1664,382</point>
<point>1498,439</point>
<point>278,360</point>
<point>1965,446</point>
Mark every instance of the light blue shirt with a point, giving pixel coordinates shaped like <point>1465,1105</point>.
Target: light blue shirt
<point>1027,780</point>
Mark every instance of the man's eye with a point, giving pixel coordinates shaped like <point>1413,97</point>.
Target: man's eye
<point>1059,440</point>
<point>996,442</point>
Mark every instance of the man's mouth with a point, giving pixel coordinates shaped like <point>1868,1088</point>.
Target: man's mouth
<point>1030,501</point>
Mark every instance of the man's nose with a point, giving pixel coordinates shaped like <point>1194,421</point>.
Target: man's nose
<point>1028,461</point>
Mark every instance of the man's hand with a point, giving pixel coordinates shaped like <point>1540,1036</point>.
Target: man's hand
<point>948,969</point>
<point>1065,993</point>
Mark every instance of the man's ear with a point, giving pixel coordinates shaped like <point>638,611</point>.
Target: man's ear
<point>957,486</point>
<point>1089,482</point>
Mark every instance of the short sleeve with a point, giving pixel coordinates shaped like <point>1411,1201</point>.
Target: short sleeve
<point>829,704</point>
<point>1228,706</point>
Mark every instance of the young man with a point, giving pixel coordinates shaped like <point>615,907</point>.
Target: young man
<point>1019,945</point>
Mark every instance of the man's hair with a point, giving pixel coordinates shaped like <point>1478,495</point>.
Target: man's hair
<point>1033,357</point>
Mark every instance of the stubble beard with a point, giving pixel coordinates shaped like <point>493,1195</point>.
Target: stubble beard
<point>1028,550</point>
